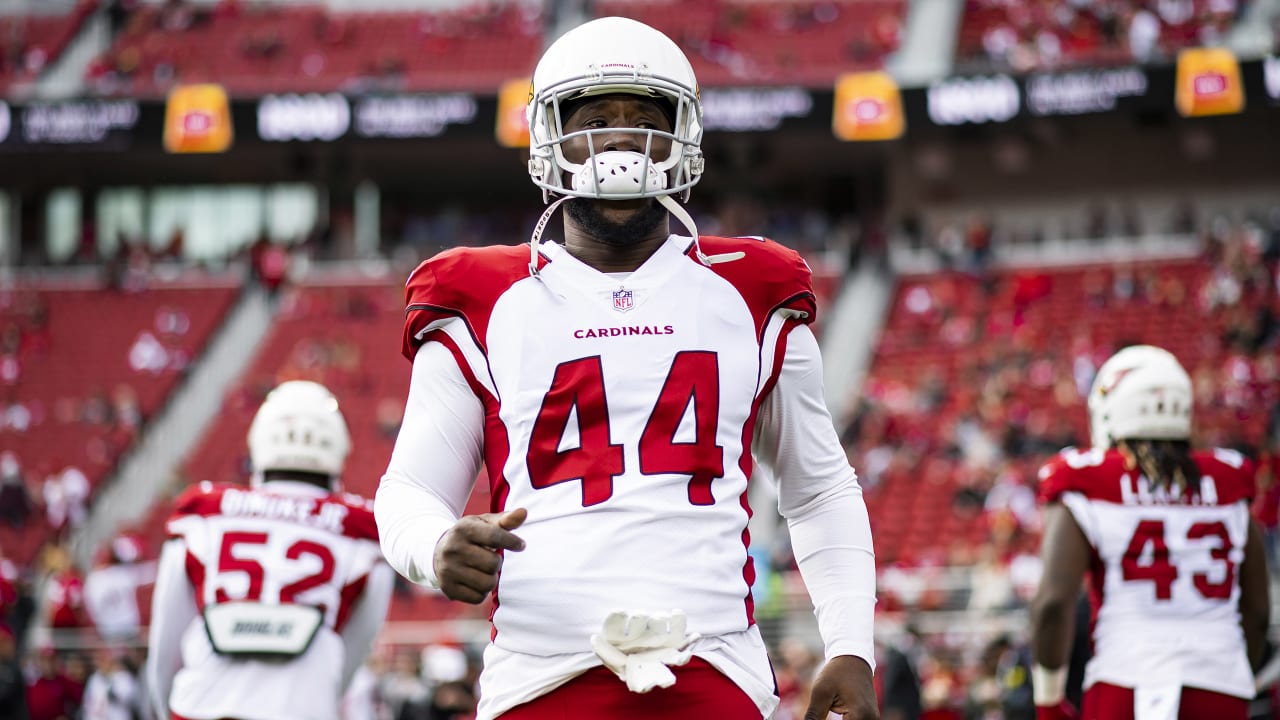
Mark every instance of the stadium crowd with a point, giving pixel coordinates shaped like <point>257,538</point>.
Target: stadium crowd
<point>981,468</point>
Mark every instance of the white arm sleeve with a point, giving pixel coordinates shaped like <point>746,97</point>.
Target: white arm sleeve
<point>173,608</point>
<point>819,495</point>
<point>366,620</point>
<point>433,466</point>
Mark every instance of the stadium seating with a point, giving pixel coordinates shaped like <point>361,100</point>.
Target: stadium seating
<point>1045,34</point>
<point>963,359</point>
<point>84,367</point>
<point>30,43</point>
<point>308,48</point>
<point>745,43</point>
<point>302,47</point>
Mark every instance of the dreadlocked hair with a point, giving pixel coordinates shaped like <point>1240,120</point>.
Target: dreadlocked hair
<point>1165,463</point>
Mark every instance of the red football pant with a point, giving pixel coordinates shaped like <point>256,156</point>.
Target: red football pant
<point>1110,702</point>
<point>700,692</point>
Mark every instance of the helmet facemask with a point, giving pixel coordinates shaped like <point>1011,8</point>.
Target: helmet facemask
<point>608,56</point>
<point>675,174</point>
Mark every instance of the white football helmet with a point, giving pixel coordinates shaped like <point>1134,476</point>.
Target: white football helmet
<point>299,427</point>
<point>605,56</point>
<point>1140,392</point>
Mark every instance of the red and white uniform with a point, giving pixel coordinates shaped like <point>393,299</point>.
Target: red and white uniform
<point>1164,584</point>
<point>111,597</point>
<point>626,412</point>
<point>64,598</point>
<point>287,542</point>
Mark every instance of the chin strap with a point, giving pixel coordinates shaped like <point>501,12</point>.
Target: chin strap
<point>687,220</point>
<point>540,228</point>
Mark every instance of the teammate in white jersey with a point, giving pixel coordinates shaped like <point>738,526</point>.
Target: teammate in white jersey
<point>1178,577</point>
<point>621,389</point>
<point>268,598</point>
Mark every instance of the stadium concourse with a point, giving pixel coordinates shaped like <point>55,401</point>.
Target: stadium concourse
<point>148,301</point>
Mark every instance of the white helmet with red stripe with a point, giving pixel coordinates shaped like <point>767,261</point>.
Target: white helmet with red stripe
<point>299,428</point>
<point>1140,392</point>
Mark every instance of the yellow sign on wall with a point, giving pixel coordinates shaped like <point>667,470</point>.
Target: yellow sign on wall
<point>197,119</point>
<point>513,127</point>
<point>1208,83</point>
<point>868,106</point>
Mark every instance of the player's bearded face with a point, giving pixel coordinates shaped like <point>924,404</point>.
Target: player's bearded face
<point>628,230</point>
<point>626,222</point>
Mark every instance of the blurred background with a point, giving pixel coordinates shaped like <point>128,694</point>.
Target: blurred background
<point>202,198</point>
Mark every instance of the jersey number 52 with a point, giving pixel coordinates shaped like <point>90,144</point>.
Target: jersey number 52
<point>231,561</point>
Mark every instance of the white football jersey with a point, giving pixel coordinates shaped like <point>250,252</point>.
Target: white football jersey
<point>287,543</point>
<point>1164,585</point>
<point>617,415</point>
<point>626,413</point>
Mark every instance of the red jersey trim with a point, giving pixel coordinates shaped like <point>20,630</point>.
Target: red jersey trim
<point>463,283</point>
<point>1105,477</point>
<point>206,499</point>
<point>771,277</point>
<point>746,463</point>
<point>347,600</point>
<point>497,445</point>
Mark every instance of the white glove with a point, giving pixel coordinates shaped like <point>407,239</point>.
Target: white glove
<point>639,647</point>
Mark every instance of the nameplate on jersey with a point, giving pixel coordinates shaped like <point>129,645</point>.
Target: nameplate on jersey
<point>249,628</point>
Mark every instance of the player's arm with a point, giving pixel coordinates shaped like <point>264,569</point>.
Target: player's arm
<point>173,608</point>
<point>1255,596</point>
<point>432,469</point>
<point>366,620</point>
<point>1064,553</point>
<point>819,495</point>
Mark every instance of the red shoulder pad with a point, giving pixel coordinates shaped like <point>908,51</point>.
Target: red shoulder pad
<point>770,277</point>
<point>1093,472</point>
<point>1234,475</point>
<point>203,498</point>
<point>359,523</point>
<point>463,283</point>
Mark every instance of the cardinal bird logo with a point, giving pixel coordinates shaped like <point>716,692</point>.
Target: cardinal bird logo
<point>1110,387</point>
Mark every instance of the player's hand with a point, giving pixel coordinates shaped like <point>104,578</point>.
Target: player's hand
<point>1062,711</point>
<point>843,687</point>
<point>466,558</point>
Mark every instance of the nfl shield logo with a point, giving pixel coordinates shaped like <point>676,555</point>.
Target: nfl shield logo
<point>623,300</point>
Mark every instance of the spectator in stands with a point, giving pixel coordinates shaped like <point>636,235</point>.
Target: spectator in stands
<point>65,496</point>
<point>899,675</point>
<point>15,503</point>
<point>64,592</point>
<point>177,16</point>
<point>13,686</point>
<point>111,590</point>
<point>113,691</point>
<point>51,695</point>
<point>403,684</point>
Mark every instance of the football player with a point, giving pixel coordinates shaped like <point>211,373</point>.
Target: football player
<point>268,598</point>
<point>1177,573</point>
<point>622,388</point>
